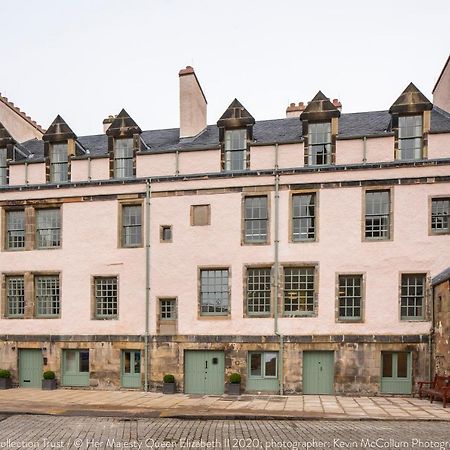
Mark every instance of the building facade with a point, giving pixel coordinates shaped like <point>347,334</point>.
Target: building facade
<point>297,252</point>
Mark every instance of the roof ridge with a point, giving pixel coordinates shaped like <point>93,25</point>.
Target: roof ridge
<point>18,111</point>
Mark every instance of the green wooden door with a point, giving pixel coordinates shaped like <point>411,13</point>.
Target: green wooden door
<point>75,368</point>
<point>30,368</point>
<point>396,373</point>
<point>318,372</point>
<point>204,372</point>
<point>131,369</point>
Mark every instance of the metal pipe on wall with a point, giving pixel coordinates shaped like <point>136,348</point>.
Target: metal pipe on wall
<point>276,274</point>
<point>148,196</point>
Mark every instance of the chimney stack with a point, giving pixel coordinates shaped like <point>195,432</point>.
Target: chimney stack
<point>192,104</point>
<point>294,110</point>
<point>337,104</point>
<point>107,122</point>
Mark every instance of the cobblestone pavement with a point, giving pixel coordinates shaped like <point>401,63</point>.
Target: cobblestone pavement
<point>79,402</point>
<point>109,433</point>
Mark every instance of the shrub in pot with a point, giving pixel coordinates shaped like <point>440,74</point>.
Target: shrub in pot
<point>168,384</point>
<point>49,381</point>
<point>5,379</point>
<point>234,387</point>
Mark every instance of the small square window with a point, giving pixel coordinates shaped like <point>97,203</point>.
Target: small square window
<point>200,215</point>
<point>166,233</point>
<point>168,309</point>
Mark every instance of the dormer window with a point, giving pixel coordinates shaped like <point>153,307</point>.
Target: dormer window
<point>410,135</point>
<point>319,129</point>
<point>235,149</point>
<point>123,158</point>
<point>411,122</point>
<point>235,131</point>
<point>59,163</point>
<point>3,167</point>
<point>319,141</point>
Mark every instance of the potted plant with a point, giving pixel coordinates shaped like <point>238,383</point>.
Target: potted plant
<point>5,379</point>
<point>168,384</point>
<point>234,387</point>
<point>49,381</point>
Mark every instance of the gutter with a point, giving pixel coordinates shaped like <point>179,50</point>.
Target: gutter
<point>148,194</point>
<point>277,269</point>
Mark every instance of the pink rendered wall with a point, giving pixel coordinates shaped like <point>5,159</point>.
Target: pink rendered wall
<point>438,146</point>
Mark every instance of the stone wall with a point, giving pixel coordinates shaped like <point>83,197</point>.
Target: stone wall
<point>441,350</point>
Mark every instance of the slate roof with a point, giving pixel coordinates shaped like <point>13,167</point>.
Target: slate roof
<point>288,130</point>
<point>443,276</point>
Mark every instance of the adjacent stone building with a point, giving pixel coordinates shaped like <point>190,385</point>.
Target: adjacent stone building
<point>298,252</point>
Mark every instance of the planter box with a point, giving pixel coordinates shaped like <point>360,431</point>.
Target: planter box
<point>168,388</point>
<point>234,388</point>
<point>5,383</point>
<point>48,385</point>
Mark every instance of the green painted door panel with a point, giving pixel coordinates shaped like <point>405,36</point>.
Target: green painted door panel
<point>396,370</point>
<point>131,368</point>
<point>75,368</point>
<point>318,372</point>
<point>204,372</point>
<point>30,368</point>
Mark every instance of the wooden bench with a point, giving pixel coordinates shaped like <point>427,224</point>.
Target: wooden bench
<point>438,388</point>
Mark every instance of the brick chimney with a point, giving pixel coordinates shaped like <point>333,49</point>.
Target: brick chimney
<point>107,122</point>
<point>192,104</point>
<point>337,104</point>
<point>294,110</point>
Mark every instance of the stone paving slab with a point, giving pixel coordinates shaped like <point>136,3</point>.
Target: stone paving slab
<point>138,403</point>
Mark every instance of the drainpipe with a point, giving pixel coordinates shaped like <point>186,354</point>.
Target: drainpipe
<point>277,268</point>
<point>364,149</point>
<point>431,335</point>
<point>177,163</point>
<point>148,195</point>
<point>89,169</point>
<point>26,172</point>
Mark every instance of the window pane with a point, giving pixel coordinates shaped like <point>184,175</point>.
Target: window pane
<point>319,143</point>
<point>48,228</point>
<point>123,158</point>
<point>131,225</point>
<point>235,149</point>
<point>167,309</point>
<point>299,290</point>
<point>255,365</point>
<point>412,296</point>
<point>71,360</point>
<point>402,365</point>
<point>258,290</point>
<point>410,133</point>
<point>350,296</point>
<point>255,219</point>
<point>59,166</point>
<point>126,362</point>
<point>303,217</point>
<point>440,212</point>
<point>15,293</point>
<point>84,361</point>
<point>214,291</point>
<point>377,215</point>
<point>3,167</point>
<point>166,233</point>
<point>15,235</point>
<point>106,303</point>
<point>270,360</point>
<point>387,364</point>
<point>47,295</point>
<point>137,362</point>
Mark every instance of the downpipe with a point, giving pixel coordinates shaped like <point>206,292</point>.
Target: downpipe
<point>277,271</point>
<point>148,197</point>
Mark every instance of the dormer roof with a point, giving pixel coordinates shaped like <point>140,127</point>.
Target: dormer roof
<point>320,108</point>
<point>411,101</point>
<point>58,131</point>
<point>123,126</point>
<point>235,116</point>
<point>5,137</point>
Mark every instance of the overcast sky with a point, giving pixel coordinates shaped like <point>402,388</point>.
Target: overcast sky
<point>85,59</point>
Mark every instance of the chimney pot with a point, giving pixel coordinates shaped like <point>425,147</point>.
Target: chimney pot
<point>294,110</point>
<point>107,122</point>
